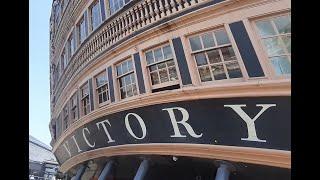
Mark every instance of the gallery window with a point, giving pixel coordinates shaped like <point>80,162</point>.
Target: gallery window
<point>62,5</point>
<point>102,88</point>
<point>58,126</point>
<point>65,117</point>
<point>64,59</point>
<point>81,29</point>
<point>85,100</point>
<point>58,70</point>
<point>214,56</point>
<point>95,15</point>
<point>74,107</point>
<point>161,67</point>
<point>275,36</point>
<point>126,79</point>
<point>115,5</point>
<point>55,75</point>
<point>71,45</point>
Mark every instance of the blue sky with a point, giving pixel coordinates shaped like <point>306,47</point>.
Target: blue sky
<point>39,92</point>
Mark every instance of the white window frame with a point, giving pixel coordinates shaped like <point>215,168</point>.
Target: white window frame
<point>203,50</point>
<point>74,107</point>
<point>64,116</point>
<point>70,51</point>
<point>124,3</point>
<point>263,48</point>
<point>83,98</point>
<point>97,87</point>
<point>65,58</point>
<point>168,83</point>
<point>78,31</point>
<point>93,3</point>
<point>117,77</point>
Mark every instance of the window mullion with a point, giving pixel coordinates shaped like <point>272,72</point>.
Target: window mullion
<point>278,36</point>
<point>224,64</point>
<point>209,65</point>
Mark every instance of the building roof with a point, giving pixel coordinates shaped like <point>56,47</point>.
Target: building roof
<point>40,152</point>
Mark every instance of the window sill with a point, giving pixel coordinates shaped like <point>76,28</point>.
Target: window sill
<point>162,85</point>
<point>104,103</point>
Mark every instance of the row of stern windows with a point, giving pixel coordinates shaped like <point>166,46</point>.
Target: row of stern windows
<point>214,57</point>
<point>89,21</point>
<point>96,9</point>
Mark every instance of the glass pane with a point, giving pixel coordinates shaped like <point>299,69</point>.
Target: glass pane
<point>95,16</point>
<point>214,56</point>
<point>122,93</point>
<point>99,90</point>
<point>207,40</point>
<point>103,88</point>
<point>154,78</point>
<point>121,82</point>
<point>170,63</point>
<point>234,70</point>
<point>112,6</point>
<point>101,79</point>
<point>116,4</point>
<point>161,65</point>
<point>218,72</point>
<point>120,3</point>
<point>287,42</point>
<point>149,57</point>
<point>281,65</point>
<point>130,67</point>
<point>119,70</point>
<point>129,91</point>
<point>195,43</point>
<point>134,87</point>
<point>273,46</point>
<point>133,78</point>
<point>85,90</point>
<point>228,54</point>
<point>173,74</point>
<point>82,31</point>
<point>124,67</point>
<point>163,75</point>
<point>167,52</point>
<point>158,55</point>
<point>72,47</point>
<point>204,72</point>
<point>201,59</point>
<point>100,98</point>
<point>222,37</point>
<point>127,79</point>
<point>105,97</point>
<point>153,68</point>
<point>265,28</point>
<point>283,24</point>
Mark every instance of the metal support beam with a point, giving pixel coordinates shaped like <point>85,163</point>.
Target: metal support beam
<point>79,172</point>
<point>107,170</point>
<point>143,169</point>
<point>224,170</point>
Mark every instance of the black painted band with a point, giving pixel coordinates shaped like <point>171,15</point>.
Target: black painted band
<point>248,54</point>
<point>140,80</point>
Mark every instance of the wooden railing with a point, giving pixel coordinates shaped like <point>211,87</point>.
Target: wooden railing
<point>141,14</point>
